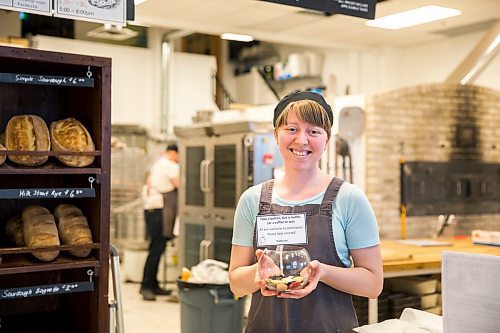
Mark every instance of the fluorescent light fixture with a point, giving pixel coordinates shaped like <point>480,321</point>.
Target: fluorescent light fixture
<point>240,38</point>
<point>138,2</point>
<point>413,17</point>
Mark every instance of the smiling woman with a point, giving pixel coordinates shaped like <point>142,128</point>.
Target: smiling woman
<point>333,222</point>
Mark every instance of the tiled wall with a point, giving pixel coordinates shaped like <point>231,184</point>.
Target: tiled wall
<point>419,124</point>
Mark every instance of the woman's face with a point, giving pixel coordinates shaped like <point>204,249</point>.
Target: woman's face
<point>301,144</point>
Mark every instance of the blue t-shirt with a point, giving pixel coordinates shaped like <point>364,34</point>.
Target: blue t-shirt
<point>354,223</point>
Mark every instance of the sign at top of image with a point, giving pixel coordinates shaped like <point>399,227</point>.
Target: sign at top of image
<point>41,7</point>
<point>358,8</point>
<point>101,11</point>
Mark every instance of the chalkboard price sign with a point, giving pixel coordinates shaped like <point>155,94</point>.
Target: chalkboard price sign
<point>47,193</point>
<point>48,289</point>
<point>48,80</point>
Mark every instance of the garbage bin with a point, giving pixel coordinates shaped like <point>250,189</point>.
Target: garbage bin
<point>209,308</point>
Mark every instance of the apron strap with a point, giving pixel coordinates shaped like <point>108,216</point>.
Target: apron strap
<point>330,195</point>
<point>265,197</point>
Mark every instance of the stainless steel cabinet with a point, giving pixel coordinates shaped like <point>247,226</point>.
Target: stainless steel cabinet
<point>215,169</point>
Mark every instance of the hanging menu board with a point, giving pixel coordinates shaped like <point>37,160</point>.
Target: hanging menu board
<point>101,11</point>
<point>357,8</point>
<point>47,193</point>
<point>45,290</point>
<point>41,7</point>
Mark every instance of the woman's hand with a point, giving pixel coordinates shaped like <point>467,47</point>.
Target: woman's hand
<point>267,265</point>
<point>313,268</point>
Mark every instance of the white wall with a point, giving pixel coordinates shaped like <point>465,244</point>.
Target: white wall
<point>192,87</point>
<point>433,62</point>
<point>135,93</point>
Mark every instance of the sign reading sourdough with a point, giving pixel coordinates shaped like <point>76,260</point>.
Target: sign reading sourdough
<point>49,289</point>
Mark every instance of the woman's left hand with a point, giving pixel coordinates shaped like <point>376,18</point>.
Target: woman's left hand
<point>314,274</point>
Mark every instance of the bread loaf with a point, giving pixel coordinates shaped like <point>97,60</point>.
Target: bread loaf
<point>40,230</point>
<point>73,228</point>
<point>70,135</point>
<point>27,132</point>
<point>2,157</point>
<point>14,231</point>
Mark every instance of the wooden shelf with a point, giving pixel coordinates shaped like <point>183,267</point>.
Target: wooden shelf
<point>55,86</point>
<point>22,263</point>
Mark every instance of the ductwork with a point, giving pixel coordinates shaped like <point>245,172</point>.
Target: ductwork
<point>485,50</point>
<point>167,50</point>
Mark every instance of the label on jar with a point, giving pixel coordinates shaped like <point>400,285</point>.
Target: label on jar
<point>281,229</point>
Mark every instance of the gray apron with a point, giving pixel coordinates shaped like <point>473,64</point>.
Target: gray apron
<point>169,213</point>
<point>325,310</point>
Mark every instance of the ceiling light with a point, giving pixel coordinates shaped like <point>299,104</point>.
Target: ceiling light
<point>240,38</point>
<point>111,32</point>
<point>413,17</point>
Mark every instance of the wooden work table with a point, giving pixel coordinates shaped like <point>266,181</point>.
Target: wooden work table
<point>400,259</point>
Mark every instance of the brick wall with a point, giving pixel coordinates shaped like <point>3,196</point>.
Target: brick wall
<point>419,124</point>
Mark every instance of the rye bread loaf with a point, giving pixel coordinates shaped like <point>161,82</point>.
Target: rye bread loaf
<point>70,135</point>
<point>14,230</point>
<point>40,230</point>
<point>73,228</point>
<point>27,132</point>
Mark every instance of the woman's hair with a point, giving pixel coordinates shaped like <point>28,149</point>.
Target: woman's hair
<point>307,111</point>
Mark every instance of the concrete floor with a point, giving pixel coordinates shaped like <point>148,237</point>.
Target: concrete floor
<point>162,315</point>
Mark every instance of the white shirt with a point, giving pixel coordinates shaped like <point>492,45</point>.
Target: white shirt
<point>159,182</point>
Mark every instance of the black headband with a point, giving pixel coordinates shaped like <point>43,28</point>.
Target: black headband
<point>299,96</point>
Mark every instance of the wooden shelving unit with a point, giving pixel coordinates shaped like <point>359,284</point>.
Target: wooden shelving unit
<point>68,294</point>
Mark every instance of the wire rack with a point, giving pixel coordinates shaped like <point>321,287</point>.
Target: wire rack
<point>128,170</point>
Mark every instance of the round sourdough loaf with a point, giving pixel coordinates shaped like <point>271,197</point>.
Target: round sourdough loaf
<point>70,135</point>
<point>27,132</point>
<point>40,230</point>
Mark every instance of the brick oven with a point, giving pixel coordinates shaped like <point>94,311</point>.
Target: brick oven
<point>436,147</point>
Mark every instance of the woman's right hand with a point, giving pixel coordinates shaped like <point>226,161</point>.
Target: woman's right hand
<point>267,265</point>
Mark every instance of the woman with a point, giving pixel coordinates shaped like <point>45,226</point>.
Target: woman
<point>340,231</point>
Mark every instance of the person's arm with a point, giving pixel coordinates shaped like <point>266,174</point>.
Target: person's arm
<point>242,271</point>
<point>364,279</point>
<point>175,181</point>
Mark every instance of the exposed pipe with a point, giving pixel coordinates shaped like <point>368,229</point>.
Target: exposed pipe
<point>480,56</point>
<point>167,50</point>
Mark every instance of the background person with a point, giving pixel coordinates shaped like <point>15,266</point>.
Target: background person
<point>340,228</point>
<point>160,211</point>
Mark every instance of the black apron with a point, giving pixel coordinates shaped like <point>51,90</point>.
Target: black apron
<point>169,213</point>
<point>325,310</point>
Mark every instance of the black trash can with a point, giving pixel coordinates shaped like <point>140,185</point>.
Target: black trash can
<point>210,308</point>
